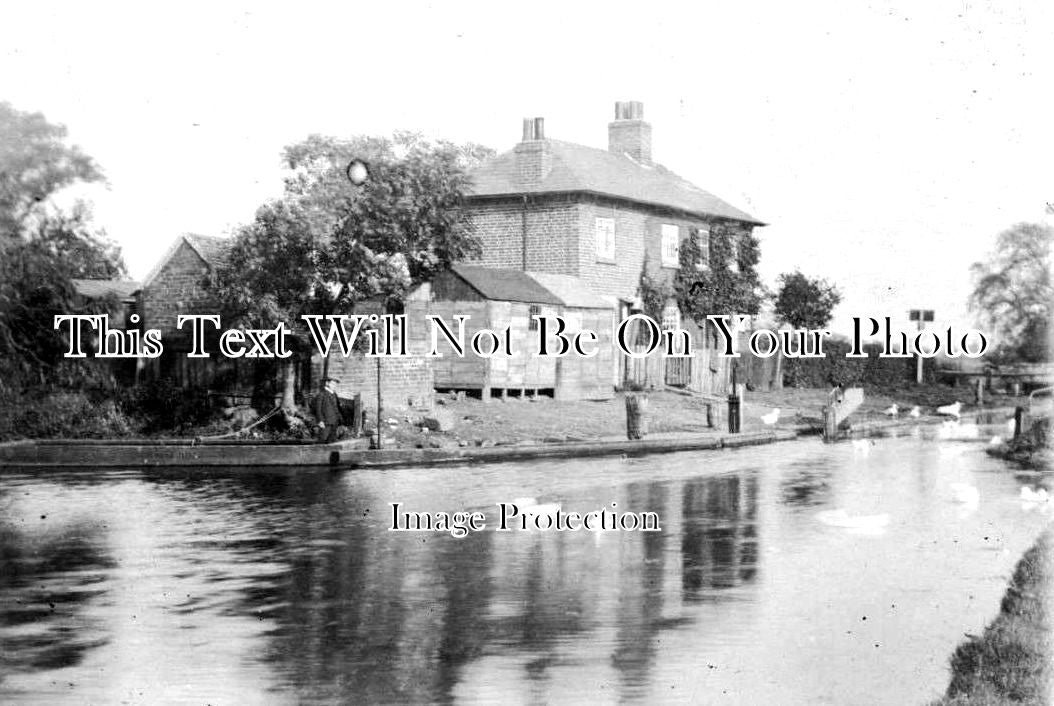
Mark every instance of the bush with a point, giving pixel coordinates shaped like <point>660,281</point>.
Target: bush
<point>163,406</point>
<point>835,368</point>
<point>45,413</point>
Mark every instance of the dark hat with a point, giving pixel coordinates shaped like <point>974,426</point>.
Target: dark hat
<point>325,380</point>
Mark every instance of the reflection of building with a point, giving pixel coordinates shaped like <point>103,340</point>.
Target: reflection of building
<point>719,545</point>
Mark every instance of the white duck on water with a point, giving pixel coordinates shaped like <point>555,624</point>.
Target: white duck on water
<point>771,418</point>
<point>891,411</point>
<point>951,410</point>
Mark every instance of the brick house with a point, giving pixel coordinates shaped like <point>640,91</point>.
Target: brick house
<point>597,215</point>
<point>176,286</point>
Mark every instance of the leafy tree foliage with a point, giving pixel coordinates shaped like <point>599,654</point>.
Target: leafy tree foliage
<point>722,281</point>
<point>326,245</point>
<point>42,246</point>
<point>35,164</point>
<point>804,302</point>
<point>1013,293</point>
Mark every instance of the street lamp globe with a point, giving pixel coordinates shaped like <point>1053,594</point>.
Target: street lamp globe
<point>358,172</point>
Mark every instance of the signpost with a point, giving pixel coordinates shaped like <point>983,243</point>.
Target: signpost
<point>921,316</point>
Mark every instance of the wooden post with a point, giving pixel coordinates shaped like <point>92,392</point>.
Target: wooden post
<point>830,424</point>
<point>978,392</point>
<point>1019,422</point>
<point>735,411</point>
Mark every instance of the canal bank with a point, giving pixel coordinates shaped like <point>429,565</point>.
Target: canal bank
<point>91,453</point>
<point>1013,660</point>
<point>354,453</point>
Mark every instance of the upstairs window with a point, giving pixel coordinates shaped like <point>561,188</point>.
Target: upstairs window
<point>671,246</point>
<point>532,311</point>
<point>605,236</point>
<point>733,263</point>
<point>702,239</point>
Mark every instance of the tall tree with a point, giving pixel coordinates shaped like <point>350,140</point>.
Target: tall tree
<point>326,245</point>
<point>35,163</point>
<point>804,302</point>
<point>1013,294</point>
<point>42,246</point>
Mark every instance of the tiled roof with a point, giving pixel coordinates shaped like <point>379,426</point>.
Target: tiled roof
<point>93,288</point>
<point>213,250</point>
<point>577,168</point>
<point>209,248</point>
<point>570,290</point>
<point>531,287</point>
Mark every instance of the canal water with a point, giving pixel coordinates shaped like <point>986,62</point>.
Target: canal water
<point>796,573</point>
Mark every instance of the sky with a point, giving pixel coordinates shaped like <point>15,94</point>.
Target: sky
<point>884,144</point>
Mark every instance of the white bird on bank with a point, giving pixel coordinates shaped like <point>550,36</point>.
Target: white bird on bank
<point>951,410</point>
<point>770,418</point>
<point>891,411</point>
<point>1011,425</point>
<point>996,441</point>
<point>965,494</point>
<point>915,412</point>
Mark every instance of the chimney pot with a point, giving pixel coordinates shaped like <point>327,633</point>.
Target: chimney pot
<point>628,133</point>
<point>533,129</point>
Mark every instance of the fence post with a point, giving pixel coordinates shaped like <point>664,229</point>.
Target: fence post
<point>979,391</point>
<point>830,424</point>
<point>1019,422</point>
<point>735,410</point>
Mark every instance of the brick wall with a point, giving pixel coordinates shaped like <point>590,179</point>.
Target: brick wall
<point>561,238</point>
<point>406,382</point>
<point>552,234</point>
<point>177,289</point>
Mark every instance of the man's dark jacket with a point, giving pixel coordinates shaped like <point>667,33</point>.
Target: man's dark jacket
<point>327,408</point>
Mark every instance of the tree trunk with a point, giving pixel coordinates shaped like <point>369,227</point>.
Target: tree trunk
<point>287,368</point>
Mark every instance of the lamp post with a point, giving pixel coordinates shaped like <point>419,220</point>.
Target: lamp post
<point>358,173</point>
<point>919,315</point>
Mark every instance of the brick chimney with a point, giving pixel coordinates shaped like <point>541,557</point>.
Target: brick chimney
<point>628,133</point>
<point>534,157</point>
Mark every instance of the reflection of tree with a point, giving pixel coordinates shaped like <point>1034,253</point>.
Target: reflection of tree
<point>44,588</point>
<point>805,484</point>
<point>719,538</point>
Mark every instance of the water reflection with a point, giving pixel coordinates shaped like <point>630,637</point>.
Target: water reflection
<point>279,587</point>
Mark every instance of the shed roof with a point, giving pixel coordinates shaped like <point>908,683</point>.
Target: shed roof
<point>505,285</point>
<point>93,288</point>
<point>578,168</point>
<point>531,287</point>
<point>570,290</point>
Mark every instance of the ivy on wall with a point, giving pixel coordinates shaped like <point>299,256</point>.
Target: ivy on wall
<point>723,281</point>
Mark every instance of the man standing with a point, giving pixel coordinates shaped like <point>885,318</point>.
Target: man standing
<point>327,411</point>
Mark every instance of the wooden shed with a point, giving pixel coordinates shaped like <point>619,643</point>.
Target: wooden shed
<point>504,299</point>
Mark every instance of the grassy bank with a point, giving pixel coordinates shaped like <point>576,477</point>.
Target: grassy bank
<point>162,411</point>
<point>1013,661</point>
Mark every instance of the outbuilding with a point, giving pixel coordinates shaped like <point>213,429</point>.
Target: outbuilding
<point>509,302</point>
